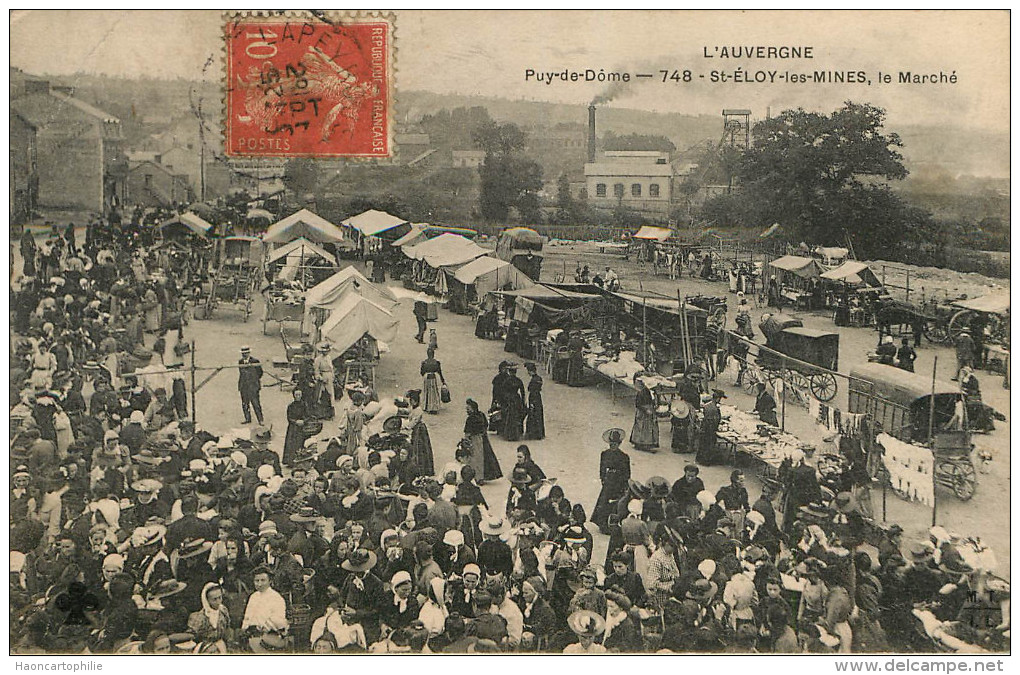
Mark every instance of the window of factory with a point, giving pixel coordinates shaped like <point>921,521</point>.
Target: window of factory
<point>653,190</point>
<point>600,190</point>
<point>635,190</point>
<point>618,190</point>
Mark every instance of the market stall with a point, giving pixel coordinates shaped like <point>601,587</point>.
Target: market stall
<point>307,225</point>
<point>430,256</point>
<point>301,261</point>
<point>372,229</point>
<point>321,301</point>
<point>522,247</point>
<point>470,282</point>
<point>792,280</point>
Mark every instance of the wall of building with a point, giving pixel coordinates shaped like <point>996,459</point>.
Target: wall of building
<point>70,166</point>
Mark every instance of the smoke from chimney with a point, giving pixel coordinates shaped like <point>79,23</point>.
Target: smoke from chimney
<point>591,133</point>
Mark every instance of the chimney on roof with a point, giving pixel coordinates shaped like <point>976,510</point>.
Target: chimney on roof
<point>591,133</point>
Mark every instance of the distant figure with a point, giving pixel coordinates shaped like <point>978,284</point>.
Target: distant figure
<point>905,356</point>
<point>249,384</point>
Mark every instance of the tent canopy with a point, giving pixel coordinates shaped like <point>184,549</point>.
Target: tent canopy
<point>993,303</point>
<point>303,248</point>
<point>833,252</point>
<point>489,274</point>
<point>799,265</point>
<point>304,224</point>
<point>372,222</point>
<point>653,233</point>
<point>445,250</point>
<point>414,236</point>
<point>852,272</point>
<point>330,290</point>
<point>191,221</point>
<point>355,316</point>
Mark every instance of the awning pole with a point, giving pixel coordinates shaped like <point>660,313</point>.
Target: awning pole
<point>931,442</point>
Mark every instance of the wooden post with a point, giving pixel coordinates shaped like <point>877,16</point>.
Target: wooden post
<point>193,389</point>
<point>908,286</point>
<point>782,376</point>
<point>931,443</point>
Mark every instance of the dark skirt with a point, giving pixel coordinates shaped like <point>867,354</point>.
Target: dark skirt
<point>606,504</point>
<point>293,441</point>
<point>680,434</point>
<point>645,432</point>
<point>491,469</point>
<point>421,449</point>
<point>535,427</point>
<point>513,419</point>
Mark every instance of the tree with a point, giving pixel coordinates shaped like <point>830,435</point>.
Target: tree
<point>301,176</point>
<point>825,177</point>
<point>508,179</point>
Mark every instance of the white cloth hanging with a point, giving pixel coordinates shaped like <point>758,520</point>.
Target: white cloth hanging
<point>910,469</point>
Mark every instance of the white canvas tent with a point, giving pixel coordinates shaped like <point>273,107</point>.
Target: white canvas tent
<point>355,316</point>
<point>415,236</point>
<point>445,250</point>
<point>372,222</point>
<point>853,272</point>
<point>304,249</point>
<point>327,292</point>
<point>304,224</point>
<point>651,233</point>
<point>490,274</point>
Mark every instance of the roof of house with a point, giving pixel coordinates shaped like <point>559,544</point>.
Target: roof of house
<point>611,169</point>
<point>86,108</point>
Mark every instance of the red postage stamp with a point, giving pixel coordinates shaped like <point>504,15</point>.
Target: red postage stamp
<point>315,85</point>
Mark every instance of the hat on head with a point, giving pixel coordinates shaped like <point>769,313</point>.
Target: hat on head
<point>392,424</point>
<point>245,349</point>
<point>756,517</point>
<point>536,583</point>
<point>705,498</point>
<point>359,560</point>
<point>401,577</point>
<point>493,526</point>
<point>239,458</point>
<point>575,535</point>
<point>147,485</point>
<point>613,436</point>
<point>638,489</point>
<point>146,456</point>
<point>262,434</point>
<point>265,472</point>
<point>137,417</point>
<point>635,507</point>
<point>114,560</point>
<point>165,589</point>
<point>198,465</point>
<point>659,486</point>
<point>692,468</point>
<point>588,572</point>
<point>922,549</point>
<point>707,568</point>
<point>520,476</point>
<point>845,502</point>
<point>306,514</point>
<point>21,472</point>
<point>344,460</point>
<point>471,568</point>
<point>702,590</point>
<point>267,527</point>
<point>323,347</point>
<point>894,529</point>
<point>939,534</point>
<point>453,538</point>
<point>147,534</point>
<point>586,623</point>
<point>719,393</point>
<point>189,548</point>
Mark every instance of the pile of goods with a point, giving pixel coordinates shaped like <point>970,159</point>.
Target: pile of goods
<point>752,435</point>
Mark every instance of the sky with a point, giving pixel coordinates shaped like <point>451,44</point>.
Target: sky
<point>488,52</point>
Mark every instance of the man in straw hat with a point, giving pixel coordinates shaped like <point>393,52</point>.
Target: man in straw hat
<point>614,472</point>
<point>587,625</point>
<point>325,375</point>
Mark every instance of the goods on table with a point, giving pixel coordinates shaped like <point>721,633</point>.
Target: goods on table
<point>751,435</point>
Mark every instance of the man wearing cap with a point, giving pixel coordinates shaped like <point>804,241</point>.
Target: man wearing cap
<point>133,434</point>
<point>249,384</point>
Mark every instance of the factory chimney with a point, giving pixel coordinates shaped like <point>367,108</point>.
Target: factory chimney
<point>591,133</point>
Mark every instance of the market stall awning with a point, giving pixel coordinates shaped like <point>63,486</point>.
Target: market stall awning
<point>852,272</point>
<point>490,274</point>
<point>330,290</point>
<point>445,250</point>
<point>372,222</point>
<point>414,236</point>
<point>832,252</point>
<point>993,303</point>
<point>650,233</point>
<point>304,224</point>
<point>303,248</point>
<point>191,221</point>
<point>799,265</point>
<point>355,316</point>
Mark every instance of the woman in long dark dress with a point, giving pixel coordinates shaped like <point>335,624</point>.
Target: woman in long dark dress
<point>513,410</point>
<point>421,443</point>
<point>297,413</point>
<point>535,426</point>
<point>614,472</point>
<point>645,433</point>
<point>432,374</point>
<point>476,429</point>
<point>525,462</point>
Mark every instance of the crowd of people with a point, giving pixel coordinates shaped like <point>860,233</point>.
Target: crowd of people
<point>134,530</point>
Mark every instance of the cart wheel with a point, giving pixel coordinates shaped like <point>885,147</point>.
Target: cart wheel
<point>823,386</point>
<point>937,333</point>
<point>958,323</point>
<point>964,480</point>
<point>797,380</point>
<point>750,383</point>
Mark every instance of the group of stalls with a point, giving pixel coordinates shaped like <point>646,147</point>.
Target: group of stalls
<point>806,283</point>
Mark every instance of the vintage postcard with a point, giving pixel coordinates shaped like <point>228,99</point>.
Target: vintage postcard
<point>510,332</point>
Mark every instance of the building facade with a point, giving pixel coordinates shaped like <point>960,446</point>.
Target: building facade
<point>639,180</point>
<point>150,183</point>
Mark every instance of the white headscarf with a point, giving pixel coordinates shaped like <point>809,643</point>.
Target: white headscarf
<point>212,614</point>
